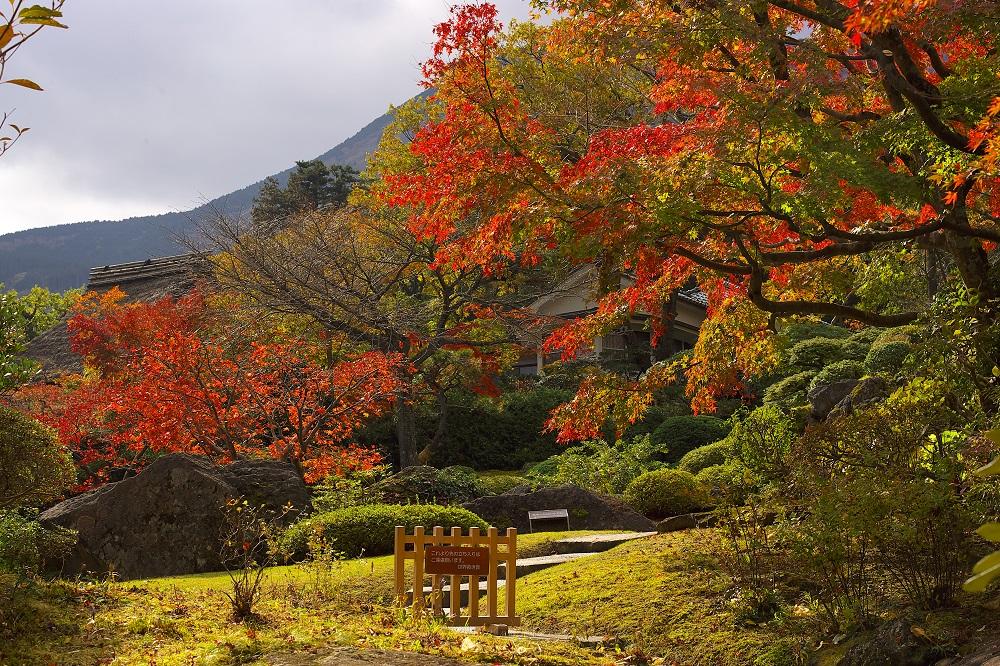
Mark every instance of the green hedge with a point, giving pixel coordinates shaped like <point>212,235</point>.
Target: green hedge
<point>698,459</point>
<point>797,332</point>
<point>816,353</point>
<point>370,529</point>
<point>666,492</point>
<point>791,390</point>
<point>679,434</point>
<point>887,357</point>
<point>841,371</point>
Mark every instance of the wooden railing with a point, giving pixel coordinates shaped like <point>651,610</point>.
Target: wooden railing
<point>460,553</point>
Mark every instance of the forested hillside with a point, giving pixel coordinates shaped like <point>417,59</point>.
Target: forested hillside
<point>59,257</point>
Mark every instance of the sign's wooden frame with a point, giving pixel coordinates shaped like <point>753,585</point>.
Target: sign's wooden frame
<point>502,550</point>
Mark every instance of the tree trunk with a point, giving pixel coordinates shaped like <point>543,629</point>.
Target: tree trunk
<point>442,424</point>
<point>406,434</point>
<point>972,262</point>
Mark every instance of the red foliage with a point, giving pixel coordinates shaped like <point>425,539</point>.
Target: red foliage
<point>164,386</point>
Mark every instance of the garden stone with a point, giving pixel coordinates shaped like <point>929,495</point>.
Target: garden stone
<point>868,390</point>
<point>166,520</point>
<point>824,398</point>
<point>587,510</point>
<point>687,521</point>
<point>892,644</point>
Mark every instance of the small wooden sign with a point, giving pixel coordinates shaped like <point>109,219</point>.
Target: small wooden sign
<point>457,561</point>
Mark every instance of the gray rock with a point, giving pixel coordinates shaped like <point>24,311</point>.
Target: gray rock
<point>687,521</point>
<point>166,520</point>
<point>868,391</point>
<point>824,398</point>
<point>892,644</point>
<point>587,510</point>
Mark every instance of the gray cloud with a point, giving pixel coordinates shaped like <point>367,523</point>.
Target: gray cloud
<point>155,106</point>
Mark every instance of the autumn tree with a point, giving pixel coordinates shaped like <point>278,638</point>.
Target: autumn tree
<point>18,24</point>
<point>167,381</point>
<point>791,157</point>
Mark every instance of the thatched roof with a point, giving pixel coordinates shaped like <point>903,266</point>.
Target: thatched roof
<point>145,281</point>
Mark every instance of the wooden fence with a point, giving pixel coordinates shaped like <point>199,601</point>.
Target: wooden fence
<point>502,551</point>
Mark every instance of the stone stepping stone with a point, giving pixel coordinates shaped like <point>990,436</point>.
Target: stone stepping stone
<point>530,565</point>
<point>596,543</point>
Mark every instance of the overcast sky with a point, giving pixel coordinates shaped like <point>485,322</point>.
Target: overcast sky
<point>154,106</point>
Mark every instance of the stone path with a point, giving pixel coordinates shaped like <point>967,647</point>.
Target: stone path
<point>597,543</point>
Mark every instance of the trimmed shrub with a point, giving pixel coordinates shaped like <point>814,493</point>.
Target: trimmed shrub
<point>423,484</point>
<point>855,351</point>
<point>791,390</point>
<point>370,529</point>
<point>698,459</point>
<point>816,353</point>
<point>665,492</point>
<point>887,357</point>
<point>840,371</point>
<point>908,333</point>
<point>867,336</point>
<point>679,434</point>
<point>498,484</point>
<point>34,467</point>
<point>729,482</point>
<point>797,332</point>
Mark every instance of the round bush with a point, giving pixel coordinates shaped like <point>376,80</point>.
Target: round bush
<point>34,467</point>
<point>698,459</point>
<point>679,434</point>
<point>665,492</point>
<point>501,483</point>
<point>370,529</point>
<point>866,336</point>
<point>855,351</point>
<point>908,333</point>
<point>840,371</point>
<point>888,357</point>
<point>804,330</point>
<point>790,390</point>
<point>729,481</point>
<point>423,484</point>
<point>816,353</point>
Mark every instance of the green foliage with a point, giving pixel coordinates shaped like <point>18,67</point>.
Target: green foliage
<point>761,441</point>
<point>498,484</point>
<point>867,336</point>
<point>25,544</point>
<point>839,371</point>
<point>483,433</point>
<point>815,353</point>
<point>34,467</point>
<point>679,434</point>
<point>370,529</point>
<point>354,489</point>
<point>728,483</point>
<point>987,569</point>
<point>425,484</point>
<point>312,185</point>
<point>665,492</point>
<point>796,332</point>
<point>709,455</point>
<point>891,516</point>
<point>604,468</point>
<point>790,391</point>
<point>22,318</point>
<point>888,357</point>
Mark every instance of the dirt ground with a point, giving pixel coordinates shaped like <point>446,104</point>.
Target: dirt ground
<point>353,657</point>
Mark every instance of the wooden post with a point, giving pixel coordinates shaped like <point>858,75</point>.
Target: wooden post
<point>491,577</point>
<point>474,581</point>
<point>419,603</point>
<point>400,565</point>
<point>511,571</point>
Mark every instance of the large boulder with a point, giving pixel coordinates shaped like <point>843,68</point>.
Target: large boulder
<point>587,510</point>
<point>166,520</point>
<point>894,643</point>
<point>869,390</point>
<point>824,398</point>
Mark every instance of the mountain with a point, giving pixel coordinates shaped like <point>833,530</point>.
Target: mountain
<point>59,257</point>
